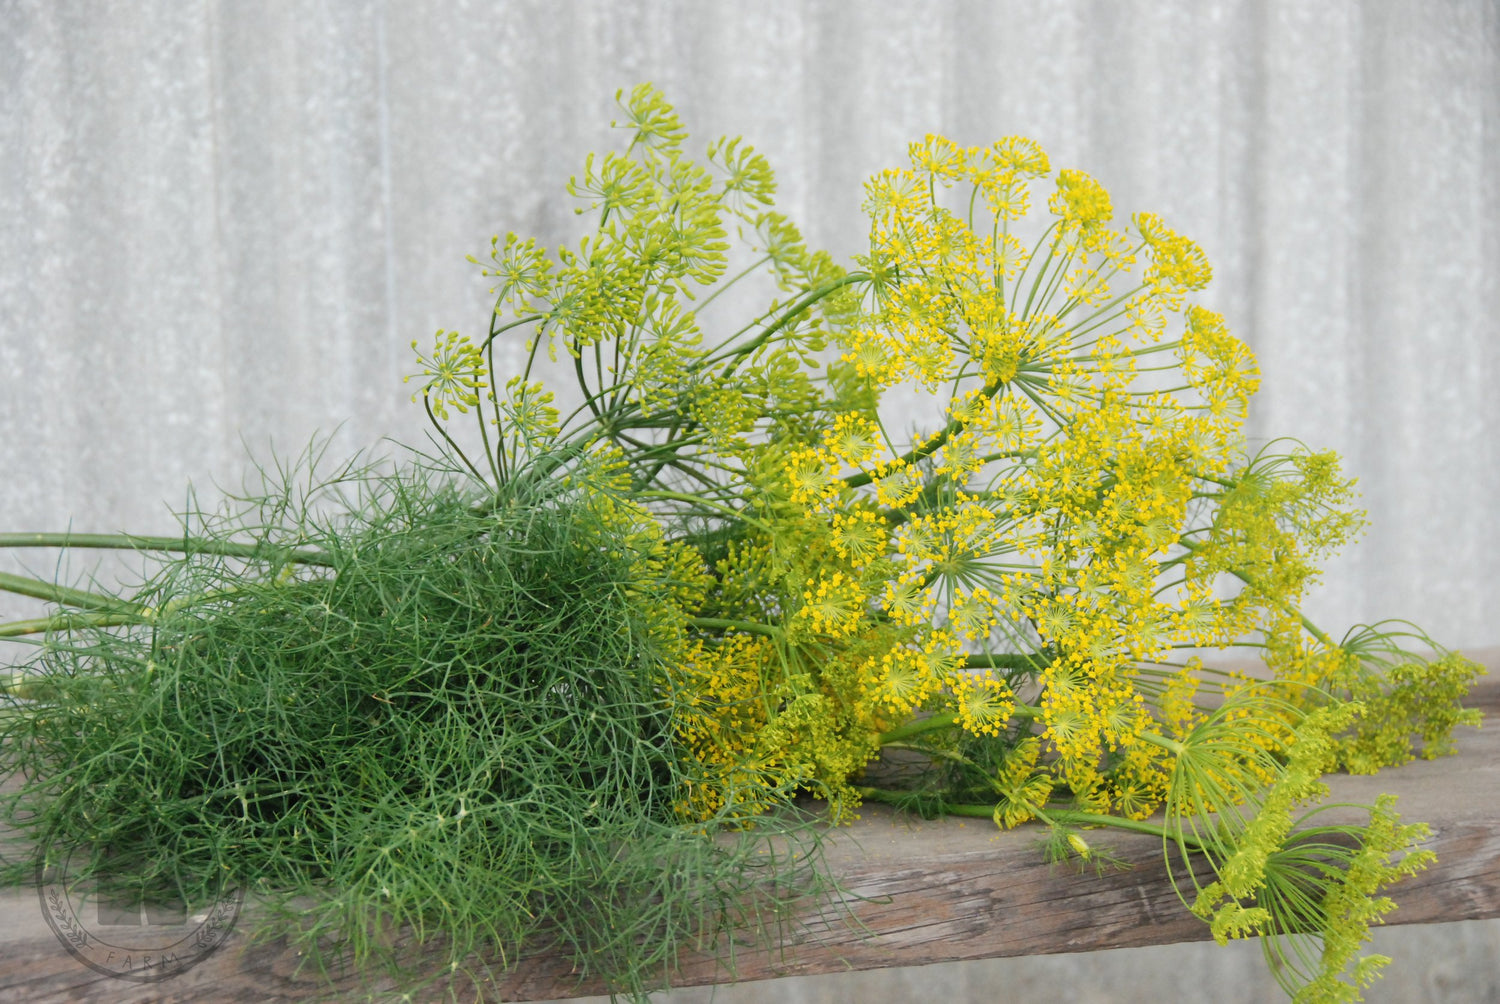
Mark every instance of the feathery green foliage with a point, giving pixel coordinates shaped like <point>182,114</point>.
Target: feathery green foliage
<point>453,726</point>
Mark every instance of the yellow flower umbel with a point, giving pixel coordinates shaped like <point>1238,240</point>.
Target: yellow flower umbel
<point>455,374</point>
<point>1018,589</point>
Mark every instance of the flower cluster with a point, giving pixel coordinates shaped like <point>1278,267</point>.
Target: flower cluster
<point>1021,590</point>
<point>983,498</point>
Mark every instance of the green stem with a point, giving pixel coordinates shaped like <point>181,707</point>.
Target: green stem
<point>616,417</point>
<point>723,286</point>
<point>723,624</point>
<point>496,332</point>
<point>64,595</point>
<point>590,398</point>
<point>494,456</point>
<point>1025,272</point>
<point>970,810</point>
<point>789,314</point>
<point>1066,817</point>
<point>677,464</point>
<point>1117,822</point>
<point>890,797</point>
<point>181,545</point>
<point>919,726</point>
<point>1025,385</point>
<point>427,406</point>
<point>1002,661</point>
<point>67,622</point>
<point>934,443</point>
<point>1250,580</point>
<point>699,500</point>
<point>940,720</point>
<point>1172,746</point>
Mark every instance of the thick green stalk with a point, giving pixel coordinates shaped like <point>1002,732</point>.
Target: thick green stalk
<point>788,315</point>
<point>724,624</point>
<point>1172,746</point>
<point>1066,817</point>
<point>1120,823</point>
<point>919,726</point>
<point>64,595</point>
<point>68,621</point>
<point>182,545</point>
<point>1001,661</point>
<point>934,443</point>
<point>699,500</point>
<point>724,286</point>
<point>943,720</point>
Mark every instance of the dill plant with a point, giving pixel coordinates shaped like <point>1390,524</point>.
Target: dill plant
<point>1019,592</point>
<point>428,730</point>
<point>1017,595</point>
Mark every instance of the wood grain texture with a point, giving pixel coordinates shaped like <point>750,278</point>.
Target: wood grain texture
<point>919,892</point>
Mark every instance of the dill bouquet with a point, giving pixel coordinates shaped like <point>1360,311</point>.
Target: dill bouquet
<point>425,727</point>
<point>563,687</point>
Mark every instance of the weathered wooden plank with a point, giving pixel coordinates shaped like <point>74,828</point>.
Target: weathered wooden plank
<point>924,892</point>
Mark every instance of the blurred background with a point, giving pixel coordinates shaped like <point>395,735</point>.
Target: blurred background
<point>222,224</point>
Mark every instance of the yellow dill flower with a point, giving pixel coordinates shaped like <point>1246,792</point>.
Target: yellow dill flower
<point>1147,313</point>
<point>1086,285</point>
<point>1123,718</point>
<point>1056,621</point>
<point>996,340</point>
<point>720,710</point>
<point>927,539</point>
<point>726,411</point>
<point>921,321</point>
<point>1178,710</point>
<point>1011,423</point>
<point>975,616</point>
<point>854,439</point>
<point>1022,788</point>
<point>1221,366</point>
<point>1134,800</point>
<point>894,192</point>
<point>1010,256</point>
<point>1008,199</point>
<point>900,486</point>
<point>984,704</point>
<point>942,652</point>
<point>906,601</point>
<point>1115,247</point>
<point>529,409</point>
<point>969,408</point>
<point>1021,157</point>
<point>832,606</point>
<point>940,156</point>
<point>810,476</point>
<point>859,536</point>
<point>455,371</point>
<point>873,359</point>
<point>1070,726</point>
<point>523,269</point>
<point>1080,200</point>
<point>1177,263</point>
<point>960,457</point>
<point>899,680</point>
